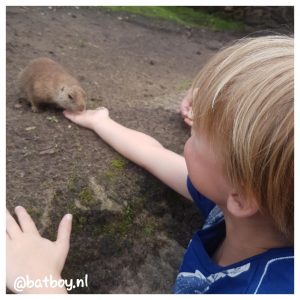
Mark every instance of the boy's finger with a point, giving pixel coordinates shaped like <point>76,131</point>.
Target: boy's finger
<point>184,114</point>
<point>188,121</point>
<point>64,231</point>
<point>184,109</point>
<point>12,228</point>
<point>25,220</point>
<point>69,115</point>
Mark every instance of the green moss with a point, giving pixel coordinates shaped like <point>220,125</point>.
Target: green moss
<point>79,222</point>
<point>73,182</point>
<point>129,213</point>
<point>118,164</point>
<point>149,225</point>
<point>117,229</point>
<point>86,196</point>
<point>81,190</point>
<point>121,227</point>
<point>108,175</point>
<point>181,15</point>
<point>82,220</point>
<point>73,209</point>
<point>149,230</point>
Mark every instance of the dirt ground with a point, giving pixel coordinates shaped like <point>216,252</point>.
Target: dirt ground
<point>129,230</point>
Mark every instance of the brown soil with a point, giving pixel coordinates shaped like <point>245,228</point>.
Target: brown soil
<point>129,230</point>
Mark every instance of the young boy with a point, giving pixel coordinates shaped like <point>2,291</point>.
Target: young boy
<point>237,168</point>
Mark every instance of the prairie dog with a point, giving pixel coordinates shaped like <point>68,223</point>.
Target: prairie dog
<point>45,81</point>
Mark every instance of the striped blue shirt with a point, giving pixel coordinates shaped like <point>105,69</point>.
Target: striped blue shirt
<point>271,272</point>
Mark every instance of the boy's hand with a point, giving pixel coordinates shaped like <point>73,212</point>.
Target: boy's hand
<point>87,118</point>
<point>186,108</point>
<point>28,254</point>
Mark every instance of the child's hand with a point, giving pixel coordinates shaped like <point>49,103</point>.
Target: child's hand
<point>87,118</point>
<point>186,108</point>
<point>28,254</point>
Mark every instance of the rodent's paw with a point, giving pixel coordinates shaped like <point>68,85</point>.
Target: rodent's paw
<point>34,109</point>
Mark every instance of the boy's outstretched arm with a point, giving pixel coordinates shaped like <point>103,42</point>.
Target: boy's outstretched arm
<point>138,147</point>
<point>31,257</point>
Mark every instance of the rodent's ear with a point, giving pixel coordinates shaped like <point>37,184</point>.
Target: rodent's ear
<point>62,88</point>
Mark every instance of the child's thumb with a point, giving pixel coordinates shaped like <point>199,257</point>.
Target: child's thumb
<point>68,114</point>
<point>64,232</point>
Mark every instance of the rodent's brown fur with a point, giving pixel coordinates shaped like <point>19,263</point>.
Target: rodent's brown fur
<point>45,81</point>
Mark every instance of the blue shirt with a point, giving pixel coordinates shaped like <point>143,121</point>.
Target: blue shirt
<point>271,272</point>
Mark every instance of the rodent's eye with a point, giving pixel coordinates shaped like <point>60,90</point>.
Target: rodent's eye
<point>70,97</point>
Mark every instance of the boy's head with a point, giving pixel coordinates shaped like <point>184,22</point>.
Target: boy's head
<point>244,102</point>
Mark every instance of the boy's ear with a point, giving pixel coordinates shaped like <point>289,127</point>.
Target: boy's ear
<point>240,207</point>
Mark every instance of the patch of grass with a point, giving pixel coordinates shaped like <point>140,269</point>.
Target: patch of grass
<point>186,16</point>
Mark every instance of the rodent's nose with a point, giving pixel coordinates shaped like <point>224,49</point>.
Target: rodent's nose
<point>82,107</point>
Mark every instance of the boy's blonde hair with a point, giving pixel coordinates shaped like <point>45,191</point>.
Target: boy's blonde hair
<point>244,100</point>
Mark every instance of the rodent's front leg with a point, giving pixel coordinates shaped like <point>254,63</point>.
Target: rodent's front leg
<point>34,105</point>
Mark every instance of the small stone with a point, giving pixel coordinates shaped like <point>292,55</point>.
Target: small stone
<point>52,119</point>
<point>213,45</point>
<point>18,105</point>
<point>30,128</point>
<point>47,151</point>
